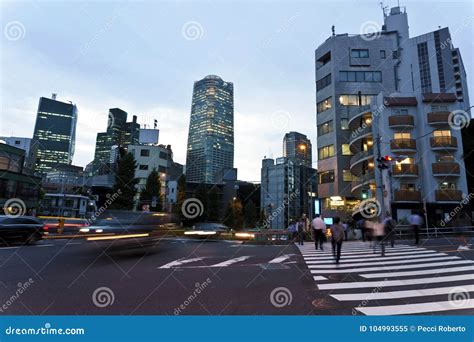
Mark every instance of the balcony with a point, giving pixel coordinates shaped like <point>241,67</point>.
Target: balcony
<point>403,121</point>
<point>358,158</point>
<point>405,170</point>
<point>445,169</point>
<point>361,181</point>
<point>356,113</point>
<point>357,134</point>
<point>403,145</point>
<point>444,143</point>
<point>438,118</point>
<point>448,195</point>
<point>406,196</point>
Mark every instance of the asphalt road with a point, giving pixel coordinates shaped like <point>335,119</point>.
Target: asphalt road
<point>188,277</point>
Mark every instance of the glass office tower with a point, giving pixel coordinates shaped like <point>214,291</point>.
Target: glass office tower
<point>55,134</point>
<point>211,130</point>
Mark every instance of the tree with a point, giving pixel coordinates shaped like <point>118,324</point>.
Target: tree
<point>202,195</point>
<point>250,214</point>
<point>181,195</point>
<point>151,191</point>
<point>213,207</point>
<point>234,217</point>
<point>125,183</point>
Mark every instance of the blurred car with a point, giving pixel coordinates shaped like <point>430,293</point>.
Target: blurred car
<point>207,229</point>
<point>26,229</point>
<point>247,233</point>
<point>71,225</point>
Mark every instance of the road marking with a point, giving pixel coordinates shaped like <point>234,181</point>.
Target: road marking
<point>415,308</point>
<point>342,264</point>
<point>373,258</point>
<point>386,268</point>
<point>399,294</point>
<point>418,272</point>
<point>318,278</point>
<point>280,259</point>
<point>180,262</point>
<point>3,248</point>
<point>406,282</point>
<point>345,256</point>
<point>365,251</point>
<point>230,261</point>
<point>48,245</point>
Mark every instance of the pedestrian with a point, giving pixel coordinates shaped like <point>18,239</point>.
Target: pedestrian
<point>337,236</point>
<point>360,224</point>
<point>379,232</point>
<point>416,221</point>
<point>389,227</point>
<point>319,231</point>
<point>61,222</point>
<point>345,225</point>
<point>292,230</point>
<point>300,226</point>
<point>369,231</point>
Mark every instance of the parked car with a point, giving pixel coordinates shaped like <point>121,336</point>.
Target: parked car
<point>26,229</point>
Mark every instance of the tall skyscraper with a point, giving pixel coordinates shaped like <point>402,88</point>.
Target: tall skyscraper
<point>55,134</point>
<point>388,94</point>
<point>120,133</point>
<point>211,130</point>
<point>297,147</point>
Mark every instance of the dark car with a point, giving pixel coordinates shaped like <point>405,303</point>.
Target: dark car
<point>26,229</point>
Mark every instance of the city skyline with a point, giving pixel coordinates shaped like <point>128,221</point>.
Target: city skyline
<point>271,98</point>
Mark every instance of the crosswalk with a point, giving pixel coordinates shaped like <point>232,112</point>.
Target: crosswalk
<point>407,280</point>
<point>213,262</point>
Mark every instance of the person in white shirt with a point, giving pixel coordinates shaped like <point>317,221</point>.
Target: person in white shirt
<point>319,231</point>
<point>416,221</point>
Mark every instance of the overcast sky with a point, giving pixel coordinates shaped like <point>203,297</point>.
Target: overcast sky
<point>143,57</point>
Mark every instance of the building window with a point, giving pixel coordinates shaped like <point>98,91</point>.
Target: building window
<point>359,53</point>
<point>360,76</point>
<point>402,135</point>
<point>407,186</point>
<point>323,82</point>
<point>346,151</point>
<point>325,128</point>
<point>144,153</point>
<point>355,100</point>
<point>163,155</point>
<point>382,54</point>
<point>325,59</point>
<point>143,167</point>
<point>400,111</point>
<point>444,158</point>
<point>447,186</point>
<point>442,133</point>
<point>344,124</point>
<point>326,177</point>
<point>395,54</point>
<point>161,169</point>
<point>347,176</point>
<point>326,152</point>
<point>439,61</point>
<point>424,65</point>
<point>439,108</point>
<point>324,105</point>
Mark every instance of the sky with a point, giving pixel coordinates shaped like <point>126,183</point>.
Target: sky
<point>144,57</point>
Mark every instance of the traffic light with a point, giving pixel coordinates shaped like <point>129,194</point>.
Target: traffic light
<point>364,194</point>
<point>384,162</point>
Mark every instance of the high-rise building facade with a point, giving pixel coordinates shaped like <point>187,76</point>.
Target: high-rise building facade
<point>211,130</point>
<point>55,134</point>
<point>388,94</point>
<point>297,147</point>
<point>119,134</point>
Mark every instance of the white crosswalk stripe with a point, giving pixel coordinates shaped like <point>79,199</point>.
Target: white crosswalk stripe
<point>426,280</point>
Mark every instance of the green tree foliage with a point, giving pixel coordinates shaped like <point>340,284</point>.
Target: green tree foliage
<point>250,214</point>
<point>180,196</point>
<point>202,194</point>
<point>213,205</point>
<point>151,190</point>
<point>125,183</point>
<point>234,217</point>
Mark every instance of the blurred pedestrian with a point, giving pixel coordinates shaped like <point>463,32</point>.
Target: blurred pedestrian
<point>61,226</point>
<point>319,231</point>
<point>416,221</point>
<point>300,227</point>
<point>389,227</point>
<point>345,225</point>
<point>292,230</point>
<point>360,224</point>
<point>337,236</point>
<point>379,235</point>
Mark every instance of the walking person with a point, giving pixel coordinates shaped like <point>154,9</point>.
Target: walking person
<point>360,224</point>
<point>319,231</point>
<point>300,227</point>
<point>389,227</point>
<point>337,233</point>
<point>416,221</point>
<point>292,230</point>
<point>379,232</point>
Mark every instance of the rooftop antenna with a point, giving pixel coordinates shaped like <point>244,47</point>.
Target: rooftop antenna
<point>384,9</point>
<point>333,30</point>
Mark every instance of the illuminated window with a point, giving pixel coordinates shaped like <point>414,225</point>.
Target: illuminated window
<point>324,105</point>
<point>346,150</point>
<point>402,135</point>
<point>326,152</point>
